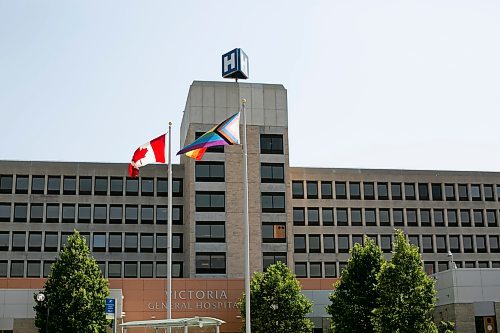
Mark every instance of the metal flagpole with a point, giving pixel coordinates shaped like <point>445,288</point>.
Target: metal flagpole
<point>247,222</point>
<point>169,235</point>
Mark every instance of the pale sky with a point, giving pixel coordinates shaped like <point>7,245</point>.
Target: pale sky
<point>409,84</point>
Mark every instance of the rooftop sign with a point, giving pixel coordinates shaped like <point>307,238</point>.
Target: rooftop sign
<point>235,65</point>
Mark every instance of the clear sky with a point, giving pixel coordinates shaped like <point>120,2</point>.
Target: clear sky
<point>411,84</point>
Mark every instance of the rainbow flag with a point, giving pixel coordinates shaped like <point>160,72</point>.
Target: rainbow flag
<point>226,133</point>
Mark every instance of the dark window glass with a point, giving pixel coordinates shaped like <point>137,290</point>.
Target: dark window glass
<point>85,185</point>
<point>131,214</point>
<point>495,264</point>
<point>454,243</point>
<point>452,218</point>
<point>312,190</point>
<point>116,186</point>
<point>36,213</point>
<point>101,185</point>
<point>64,239</point>
<point>100,213</point>
<point>274,233</point>
<point>313,216</point>
<point>299,243</point>
<point>467,243</point>
<point>147,242</point>
<point>427,244</point>
<point>354,190</point>
<point>465,218</point>
<point>414,240</point>
<point>437,193</point>
<point>130,269</point>
<point>271,144</point>
<point>68,213</point>
<point>272,258</point>
<point>470,264</point>
<point>22,184</point>
<point>115,214</point>
<point>478,218</point>
<point>369,191</point>
<point>383,192</point>
<point>6,184</point>
<point>148,190</point>
<point>463,194</point>
<point>161,243</point>
<point>494,244</point>
<point>314,243</point>
<point>370,217</point>
<point>329,243</point>
<point>482,264</point>
<point>161,214</point>
<point>131,242</point>
<point>429,267</point>
<point>342,220</point>
<point>327,215</point>
<point>19,241</point>
<point>114,269</point>
<point>47,266</point>
<point>330,270</point>
<point>54,185</point>
<point>298,189</point>
<point>398,218</point>
<point>449,191</point>
<point>273,202</point>
<point>37,184</point>
<point>147,214</point>
<point>84,212</point>
<point>210,263</point>
<point>357,239</point>
<point>411,217</point>
<point>442,266</point>
<point>438,218</point>
<point>488,192</point>
<point>396,191</point>
<point>162,187</point>
<point>299,216</point>
<point>215,171</point>
<point>386,243</point>
<point>425,217</point>
<point>177,243</point>
<point>475,192</point>
<point>340,190</point>
<point>17,268</point>
<point>423,191</point>
<point>441,244</point>
<point>481,243</point>
<point>35,241</point>
<point>5,211</point>
<point>210,201</point>
<point>161,270</point>
<point>20,212</point>
<point>326,190</point>
<point>272,173</point>
<point>356,219</point>
<point>343,244</point>
<point>177,215</point>
<point>4,241</point>
<point>177,187</point>
<point>51,242</point>
<point>69,185</point>
<point>410,191</point>
<point>301,269</point>
<point>132,186</point>
<point>315,270</point>
<point>491,217</point>
<point>115,242</point>
<point>384,217</point>
<point>146,269</point>
<point>99,242</point>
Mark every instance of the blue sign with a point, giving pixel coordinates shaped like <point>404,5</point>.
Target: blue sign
<point>235,65</point>
<point>110,308</point>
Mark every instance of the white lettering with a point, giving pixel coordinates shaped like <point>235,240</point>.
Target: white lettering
<point>223,294</point>
<point>200,294</point>
<point>244,63</point>
<point>229,62</point>
<point>181,293</point>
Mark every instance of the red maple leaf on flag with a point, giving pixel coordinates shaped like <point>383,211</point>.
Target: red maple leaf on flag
<point>139,154</point>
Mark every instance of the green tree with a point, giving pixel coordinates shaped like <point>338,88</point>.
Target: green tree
<point>276,304</point>
<point>355,294</point>
<point>406,294</point>
<point>446,327</point>
<point>75,292</point>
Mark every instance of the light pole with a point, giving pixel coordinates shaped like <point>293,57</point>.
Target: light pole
<point>40,297</point>
<point>453,265</point>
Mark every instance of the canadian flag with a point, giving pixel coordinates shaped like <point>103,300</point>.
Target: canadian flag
<point>151,152</point>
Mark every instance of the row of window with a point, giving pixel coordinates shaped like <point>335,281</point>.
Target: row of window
<point>411,217</point>
<point>427,243</point>
<point>86,213</point>
<point>111,269</point>
<point>395,191</point>
<point>71,185</point>
<point>215,201</point>
<point>97,241</point>
<point>269,144</point>
<point>215,172</point>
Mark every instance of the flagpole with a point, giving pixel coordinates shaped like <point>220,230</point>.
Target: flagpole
<point>169,236</point>
<point>247,222</point>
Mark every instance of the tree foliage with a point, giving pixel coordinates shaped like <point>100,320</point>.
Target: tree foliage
<point>406,294</point>
<point>75,292</point>
<point>355,293</point>
<point>276,304</point>
<point>446,327</point>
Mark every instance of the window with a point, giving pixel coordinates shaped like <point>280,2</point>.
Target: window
<point>177,243</point>
<point>454,243</point>
<point>100,213</point>
<point>462,192</point>
<point>51,242</point>
<point>274,233</point>
<point>162,187</point>
<point>17,268</point>
<point>356,219</point>
<point>326,190</point>
<point>47,266</point>
<point>101,186</point>
<point>342,265</point>
<point>357,239</point>
<point>272,258</point>
<point>384,217</point>
<point>177,187</point>
<point>22,184</point>
<point>427,244</point>
<point>386,243</point>
<point>69,185</point>
<point>115,214</point>
<point>215,171</point>
<point>299,243</point>
<point>340,190</point>
<point>452,218</point>
<point>369,191</point>
<point>84,213</point>
<point>438,218</point>
<point>442,266</point>
<point>6,184</point>
<point>161,243</point>
<point>115,242</point>
<point>54,185</point>
<point>465,218</point>
<point>99,242</point>
<point>467,243</point>
<point>482,264</point>
<point>299,216</point>
<point>211,263</point>
<point>161,214</point>
<point>116,186</point>
<point>481,243</point>
<point>491,217</point>
<point>494,244</point>
<point>36,213</point>
<point>19,241</point>
<point>329,243</point>
<point>343,244</point>
<point>411,217</point>
<point>437,193</point>
<point>396,191</point>
<point>370,217</point>
<point>414,240</point>
<point>410,191</point>
<point>327,215</point>
<point>488,192</point>
<point>478,218</point>
<point>132,186</point>
<point>210,201</point>
<point>297,189</point>
<point>397,215</point>
<point>271,173</point>
<point>342,217</point>
<point>20,212</point>
<point>68,213</point>
<point>85,185</point>
<point>313,216</point>
<point>475,192</point>
<point>147,214</point>
<point>37,184</point>
<point>449,191</point>
<point>423,191</point>
<point>470,264</point>
<point>354,190</point>
<point>312,190</point>
<point>273,202</point>
<point>4,241</point>
<point>441,244</point>
<point>147,243</point>
<point>35,241</point>
<point>131,242</point>
<point>330,270</point>
<point>146,269</point>
<point>271,144</point>
<point>429,267</point>
<point>301,269</point>
<point>114,269</point>
<point>315,270</point>
<point>130,269</point>
<point>177,215</point>
<point>131,214</point>
<point>383,191</point>
<point>148,190</point>
<point>314,244</point>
